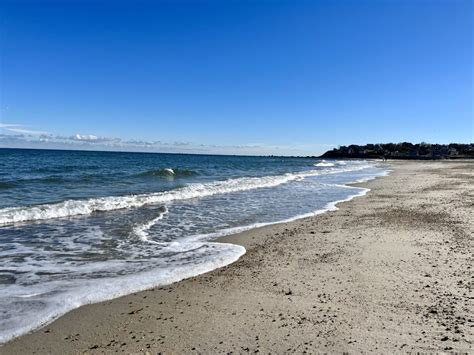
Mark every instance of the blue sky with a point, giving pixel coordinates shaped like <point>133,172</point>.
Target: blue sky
<point>243,77</point>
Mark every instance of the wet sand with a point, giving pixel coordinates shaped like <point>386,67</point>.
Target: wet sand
<point>388,272</point>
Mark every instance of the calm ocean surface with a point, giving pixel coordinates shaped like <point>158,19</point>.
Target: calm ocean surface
<point>81,227</point>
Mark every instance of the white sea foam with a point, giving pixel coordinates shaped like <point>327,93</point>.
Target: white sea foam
<point>371,177</point>
<point>331,206</point>
<point>78,294</point>
<point>196,255</point>
<point>71,208</point>
<point>324,163</point>
<point>141,230</point>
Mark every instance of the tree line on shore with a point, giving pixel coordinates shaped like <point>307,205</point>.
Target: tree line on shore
<point>403,150</point>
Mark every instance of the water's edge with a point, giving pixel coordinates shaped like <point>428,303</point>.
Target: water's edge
<point>229,238</point>
<point>224,237</point>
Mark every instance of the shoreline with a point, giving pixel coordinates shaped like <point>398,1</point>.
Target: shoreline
<point>234,238</point>
<point>225,237</point>
<point>242,296</point>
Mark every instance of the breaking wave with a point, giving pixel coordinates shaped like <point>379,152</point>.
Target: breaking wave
<point>71,208</point>
<point>169,172</point>
<point>324,163</point>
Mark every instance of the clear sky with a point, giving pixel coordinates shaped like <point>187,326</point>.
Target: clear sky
<point>282,77</point>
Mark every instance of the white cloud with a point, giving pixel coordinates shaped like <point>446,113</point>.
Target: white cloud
<point>23,137</point>
<point>16,128</point>
<point>86,137</point>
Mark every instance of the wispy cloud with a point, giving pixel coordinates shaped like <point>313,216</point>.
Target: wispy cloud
<point>16,128</point>
<point>20,136</point>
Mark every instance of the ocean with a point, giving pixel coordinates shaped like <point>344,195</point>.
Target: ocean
<point>81,227</point>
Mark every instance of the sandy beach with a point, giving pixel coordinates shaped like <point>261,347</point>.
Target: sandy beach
<point>388,272</point>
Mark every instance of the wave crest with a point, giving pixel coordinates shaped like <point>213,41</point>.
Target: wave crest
<point>71,208</point>
<point>324,163</point>
<point>168,172</point>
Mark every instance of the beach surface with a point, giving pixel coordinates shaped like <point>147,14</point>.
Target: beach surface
<point>388,272</point>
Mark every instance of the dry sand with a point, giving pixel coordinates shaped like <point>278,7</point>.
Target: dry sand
<point>388,272</point>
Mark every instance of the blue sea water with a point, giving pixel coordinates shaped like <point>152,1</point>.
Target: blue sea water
<point>80,227</point>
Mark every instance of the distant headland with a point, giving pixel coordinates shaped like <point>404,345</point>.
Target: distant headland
<point>405,150</point>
